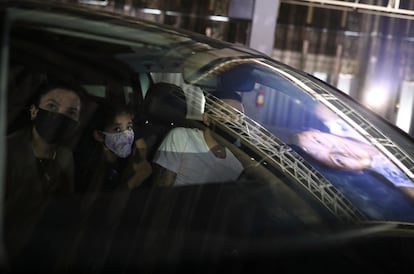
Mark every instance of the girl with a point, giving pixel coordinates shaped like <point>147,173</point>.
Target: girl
<point>118,156</point>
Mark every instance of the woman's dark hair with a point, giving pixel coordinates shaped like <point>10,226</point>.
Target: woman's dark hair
<point>105,114</point>
<point>48,86</point>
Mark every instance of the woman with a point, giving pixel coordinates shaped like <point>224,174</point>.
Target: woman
<point>39,164</point>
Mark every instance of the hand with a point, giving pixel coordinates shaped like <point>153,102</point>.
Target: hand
<point>142,170</point>
<point>163,176</point>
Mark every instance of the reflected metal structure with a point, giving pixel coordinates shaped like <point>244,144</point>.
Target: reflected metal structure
<point>287,160</point>
<point>284,158</point>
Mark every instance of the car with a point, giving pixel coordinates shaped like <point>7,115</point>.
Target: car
<point>326,184</point>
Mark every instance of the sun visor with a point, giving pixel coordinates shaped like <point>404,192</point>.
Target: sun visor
<point>238,78</point>
<point>203,67</point>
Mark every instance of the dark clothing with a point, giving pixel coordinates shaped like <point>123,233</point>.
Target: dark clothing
<point>97,177</point>
<point>96,174</point>
<point>30,184</point>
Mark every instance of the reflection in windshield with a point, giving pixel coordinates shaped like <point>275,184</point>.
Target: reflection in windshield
<point>357,168</point>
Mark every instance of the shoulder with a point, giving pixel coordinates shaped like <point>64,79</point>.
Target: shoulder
<point>19,135</point>
<point>19,144</point>
<point>182,139</point>
<point>181,133</point>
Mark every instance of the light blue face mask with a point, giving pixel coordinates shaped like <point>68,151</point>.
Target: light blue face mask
<point>120,143</point>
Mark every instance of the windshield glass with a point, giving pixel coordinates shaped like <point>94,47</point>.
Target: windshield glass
<point>124,133</point>
<point>158,108</point>
<point>333,137</point>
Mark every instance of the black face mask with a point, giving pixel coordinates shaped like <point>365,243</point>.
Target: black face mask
<point>54,127</point>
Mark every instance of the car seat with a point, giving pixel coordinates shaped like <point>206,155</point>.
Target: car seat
<point>165,108</point>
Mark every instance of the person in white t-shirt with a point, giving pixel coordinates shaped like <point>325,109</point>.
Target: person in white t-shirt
<point>190,156</point>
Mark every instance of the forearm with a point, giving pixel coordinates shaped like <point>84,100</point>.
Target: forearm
<point>163,176</point>
<point>135,181</point>
<point>142,171</point>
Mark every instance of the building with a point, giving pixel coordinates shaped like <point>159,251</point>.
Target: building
<point>365,48</point>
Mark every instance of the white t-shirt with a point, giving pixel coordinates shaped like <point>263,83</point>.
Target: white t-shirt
<point>185,152</point>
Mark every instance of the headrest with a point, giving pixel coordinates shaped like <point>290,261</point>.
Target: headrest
<point>169,103</point>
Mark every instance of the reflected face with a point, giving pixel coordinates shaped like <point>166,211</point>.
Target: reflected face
<point>334,151</point>
<point>61,101</point>
<point>230,114</point>
<point>121,122</point>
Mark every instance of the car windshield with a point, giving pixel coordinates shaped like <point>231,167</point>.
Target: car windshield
<point>279,103</point>
<point>322,156</point>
